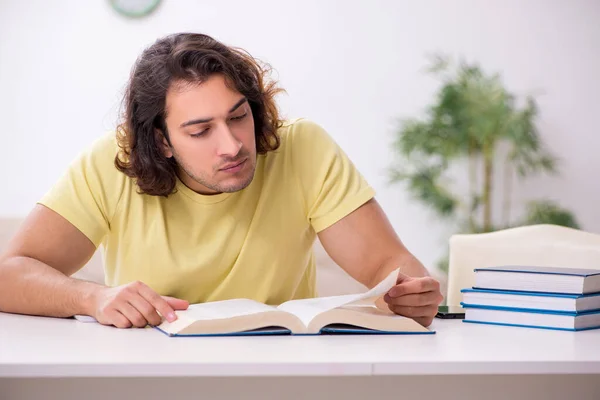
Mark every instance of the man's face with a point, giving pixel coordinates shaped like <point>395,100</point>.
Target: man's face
<point>211,129</point>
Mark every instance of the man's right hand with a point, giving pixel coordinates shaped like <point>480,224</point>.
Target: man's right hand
<point>134,304</point>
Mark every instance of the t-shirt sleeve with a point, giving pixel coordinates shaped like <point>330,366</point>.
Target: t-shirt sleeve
<point>332,187</point>
<point>88,193</point>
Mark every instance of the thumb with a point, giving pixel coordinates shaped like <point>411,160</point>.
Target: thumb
<point>177,304</point>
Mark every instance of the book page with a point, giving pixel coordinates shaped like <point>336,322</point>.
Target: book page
<point>225,309</point>
<point>307,309</point>
<point>212,310</point>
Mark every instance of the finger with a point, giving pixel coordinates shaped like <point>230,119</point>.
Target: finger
<point>417,299</point>
<point>424,321</point>
<point>177,304</point>
<point>381,303</point>
<point>420,285</point>
<point>115,318</point>
<point>161,305</point>
<point>402,278</point>
<point>145,308</point>
<point>414,312</point>
<point>132,314</point>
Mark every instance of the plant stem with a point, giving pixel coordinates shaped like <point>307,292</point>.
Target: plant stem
<point>488,165</point>
<point>508,179</point>
<point>472,185</point>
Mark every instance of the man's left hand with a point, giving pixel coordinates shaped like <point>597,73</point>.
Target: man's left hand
<point>416,298</point>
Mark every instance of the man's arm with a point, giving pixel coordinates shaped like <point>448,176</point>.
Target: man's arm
<point>366,246</point>
<point>35,268</point>
<point>35,277</point>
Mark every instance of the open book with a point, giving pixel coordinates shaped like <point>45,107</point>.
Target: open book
<point>356,313</point>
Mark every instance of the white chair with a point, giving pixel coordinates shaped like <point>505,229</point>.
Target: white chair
<point>541,245</point>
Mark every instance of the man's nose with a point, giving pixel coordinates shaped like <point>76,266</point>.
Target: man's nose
<point>229,145</point>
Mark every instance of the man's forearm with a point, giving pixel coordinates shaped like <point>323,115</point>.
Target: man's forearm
<point>408,264</point>
<point>28,286</point>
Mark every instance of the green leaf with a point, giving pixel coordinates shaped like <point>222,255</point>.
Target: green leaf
<point>424,185</point>
<point>548,212</point>
<point>438,63</point>
<point>443,263</point>
<point>475,202</point>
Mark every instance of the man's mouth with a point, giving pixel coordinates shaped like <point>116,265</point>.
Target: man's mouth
<point>233,166</point>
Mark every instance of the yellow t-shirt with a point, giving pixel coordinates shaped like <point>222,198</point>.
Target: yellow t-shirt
<point>255,243</point>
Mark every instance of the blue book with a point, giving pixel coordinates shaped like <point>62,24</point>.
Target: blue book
<point>538,279</point>
<point>545,319</point>
<point>531,300</point>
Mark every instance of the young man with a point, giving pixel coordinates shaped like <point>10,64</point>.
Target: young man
<point>203,194</point>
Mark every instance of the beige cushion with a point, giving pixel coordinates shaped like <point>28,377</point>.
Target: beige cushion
<point>331,279</point>
<point>542,245</point>
<point>8,227</point>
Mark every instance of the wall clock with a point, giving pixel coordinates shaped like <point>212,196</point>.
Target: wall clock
<point>134,8</point>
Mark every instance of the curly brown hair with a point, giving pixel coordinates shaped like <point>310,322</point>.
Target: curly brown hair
<point>188,57</point>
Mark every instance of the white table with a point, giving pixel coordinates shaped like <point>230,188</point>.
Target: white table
<point>64,358</point>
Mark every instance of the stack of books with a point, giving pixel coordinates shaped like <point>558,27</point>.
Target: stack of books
<point>536,297</point>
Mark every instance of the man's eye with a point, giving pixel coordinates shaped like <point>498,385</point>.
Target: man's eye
<point>239,117</point>
<point>199,133</point>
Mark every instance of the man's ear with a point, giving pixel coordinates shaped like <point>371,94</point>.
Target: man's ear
<point>162,142</point>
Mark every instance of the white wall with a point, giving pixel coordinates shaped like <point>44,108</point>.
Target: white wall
<point>353,66</point>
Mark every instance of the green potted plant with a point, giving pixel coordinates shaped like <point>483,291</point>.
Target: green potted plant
<point>476,124</point>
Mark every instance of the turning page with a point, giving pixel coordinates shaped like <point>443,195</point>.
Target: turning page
<point>307,309</point>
